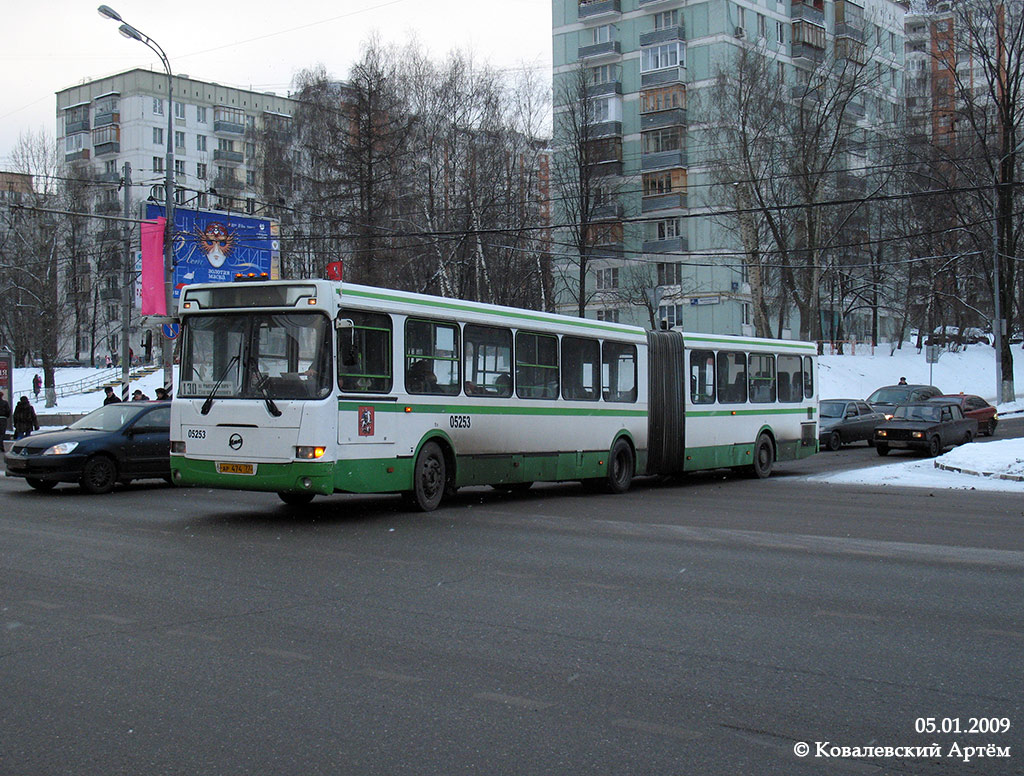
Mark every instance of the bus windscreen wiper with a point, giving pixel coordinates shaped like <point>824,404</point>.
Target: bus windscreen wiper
<point>261,381</point>
<point>205,410</point>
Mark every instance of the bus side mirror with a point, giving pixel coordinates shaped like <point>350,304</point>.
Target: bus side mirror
<point>349,352</point>
<point>343,323</point>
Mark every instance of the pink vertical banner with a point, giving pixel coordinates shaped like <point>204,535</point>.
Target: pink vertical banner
<point>154,300</point>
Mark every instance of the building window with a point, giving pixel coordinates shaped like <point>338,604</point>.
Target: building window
<point>664,229</point>
<point>661,57</point>
<point>809,34</point>
<point>666,20</point>
<point>602,34</point>
<point>158,106</point>
<point>107,134</point>
<point>226,145</point>
<point>158,136</point>
<point>250,177</point>
<point>201,171</point>
<point>670,315</point>
<point>179,110</point>
<point>665,182</point>
<point>604,74</point>
<point>110,166</point>
<point>200,142</point>
<point>762,26</point>
<point>250,150</point>
<point>158,164</point>
<point>601,109</point>
<point>670,139</point>
<point>666,98</point>
<point>179,140</point>
<point>200,115</point>
<point>607,278</point>
<point>179,167</point>
<point>670,273</point>
<point>608,315</point>
<point>780,32</point>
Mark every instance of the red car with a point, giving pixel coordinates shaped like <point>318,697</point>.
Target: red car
<point>974,407</point>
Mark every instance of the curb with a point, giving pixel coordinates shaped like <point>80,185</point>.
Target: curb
<point>990,475</point>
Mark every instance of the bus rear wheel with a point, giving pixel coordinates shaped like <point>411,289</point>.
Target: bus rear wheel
<point>621,467</point>
<point>429,478</point>
<point>764,457</point>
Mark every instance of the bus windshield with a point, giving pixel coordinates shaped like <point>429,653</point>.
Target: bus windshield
<point>257,356</point>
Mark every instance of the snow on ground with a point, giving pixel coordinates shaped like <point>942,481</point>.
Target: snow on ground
<point>855,375</point>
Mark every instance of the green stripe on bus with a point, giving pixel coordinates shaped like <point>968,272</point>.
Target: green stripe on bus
<point>467,409</point>
<point>584,323</point>
<point>728,413</point>
<point>754,344</point>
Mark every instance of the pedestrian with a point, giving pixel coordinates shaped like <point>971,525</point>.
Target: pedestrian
<point>162,394</point>
<point>112,398</point>
<point>903,381</point>
<point>37,383</point>
<point>25,421</point>
<point>109,362</point>
<point>5,413</point>
<point>138,395</point>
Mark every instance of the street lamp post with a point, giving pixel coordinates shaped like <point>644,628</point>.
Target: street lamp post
<point>131,32</point>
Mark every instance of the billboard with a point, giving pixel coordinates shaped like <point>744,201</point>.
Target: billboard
<point>213,246</point>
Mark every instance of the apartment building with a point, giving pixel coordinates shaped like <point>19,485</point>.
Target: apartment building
<point>648,63</point>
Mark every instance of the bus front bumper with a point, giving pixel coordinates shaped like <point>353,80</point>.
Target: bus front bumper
<point>294,477</point>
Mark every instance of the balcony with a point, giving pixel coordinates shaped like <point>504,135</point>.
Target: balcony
<point>674,117</point>
<point>106,119</point>
<point>609,211</point>
<point>671,75</point>
<point>109,177</point>
<point>645,3</point>
<point>605,129</point>
<point>671,201</point>
<point>666,35</point>
<point>605,168</point>
<point>671,245</point>
<point>592,9</point>
<point>110,294</point>
<point>808,13</point>
<point>110,207</point>
<point>849,31</point>
<point>663,160</point>
<point>77,156</point>
<point>608,48</point>
<point>110,147</point>
<point>606,88</point>
<point>71,127</point>
<point>223,182</point>
<point>607,251</point>
<point>228,127</point>
<point>221,155</point>
<point>808,52</point>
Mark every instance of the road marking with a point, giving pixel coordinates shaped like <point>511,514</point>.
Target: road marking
<point>850,615</point>
<point>374,673</point>
<point>998,632</point>
<point>191,635</point>
<point>514,700</point>
<point>661,730</point>
<point>599,586</point>
<point>45,605</point>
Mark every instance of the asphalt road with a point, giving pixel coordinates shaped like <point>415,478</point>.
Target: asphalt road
<point>704,626</point>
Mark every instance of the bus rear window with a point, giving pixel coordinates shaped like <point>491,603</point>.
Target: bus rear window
<point>732,378</point>
<point>581,360</point>
<point>618,370</point>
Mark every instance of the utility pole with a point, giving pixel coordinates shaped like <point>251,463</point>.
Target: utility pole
<point>127,287</point>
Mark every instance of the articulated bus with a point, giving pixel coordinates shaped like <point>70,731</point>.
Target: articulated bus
<point>311,387</point>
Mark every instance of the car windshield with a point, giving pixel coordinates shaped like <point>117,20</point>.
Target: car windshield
<point>110,417</point>
<point>890,395</point>
<point>918,412</point>
<point>833,409</point>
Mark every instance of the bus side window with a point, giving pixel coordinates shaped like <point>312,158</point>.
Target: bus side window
<point>732,378</point>
<point>581,360</point>
<point>536,366</point>
<point>762,378</point>
<point>791,383</point>
<point>364,353</point>
<point>618,369</point>
<point>488,360</point>
<point>808,377</point>
<point>702,377</point>
<point>431,357</point>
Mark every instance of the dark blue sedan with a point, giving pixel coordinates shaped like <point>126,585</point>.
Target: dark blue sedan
<point>116,443</point>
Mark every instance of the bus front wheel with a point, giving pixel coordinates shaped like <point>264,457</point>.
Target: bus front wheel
<point>764,457</point>
<point>293,499</point>
<point>429,478</point>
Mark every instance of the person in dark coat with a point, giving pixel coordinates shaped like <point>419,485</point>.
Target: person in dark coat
<point>37,384</point>
<point>5,413</point>
<point>112,398</point>
<point>25,421</point>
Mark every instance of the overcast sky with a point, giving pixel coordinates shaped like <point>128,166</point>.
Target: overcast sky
<point>48,45</point>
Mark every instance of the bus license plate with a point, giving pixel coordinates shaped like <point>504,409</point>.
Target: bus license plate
<point>236,468</point>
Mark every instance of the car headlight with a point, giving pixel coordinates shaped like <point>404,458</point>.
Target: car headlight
<point>881,432</point>
<point>62,449</point>
<point>918,434</point>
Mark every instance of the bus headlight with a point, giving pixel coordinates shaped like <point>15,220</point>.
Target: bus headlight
<point>309,452</point>
<point>177,448</point>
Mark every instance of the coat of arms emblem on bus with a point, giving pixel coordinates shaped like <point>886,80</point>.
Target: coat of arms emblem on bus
<point>366,421</point>
<point>216,242</point>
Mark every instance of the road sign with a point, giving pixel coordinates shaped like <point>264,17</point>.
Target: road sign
<point>932,353</point>
<point>171,330</point>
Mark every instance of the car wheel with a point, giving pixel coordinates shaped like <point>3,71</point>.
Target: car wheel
<point>295,499</point>
<point>834,442</point>
<point>41,485</point>
<point>764,457</point>
<point>429,478</point>
<point>99,475</point>
<point>621,467</point>
<point>881,449</point>
<point>934,447</point>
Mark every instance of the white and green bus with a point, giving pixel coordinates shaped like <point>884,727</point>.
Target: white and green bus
<point>311,387</point>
